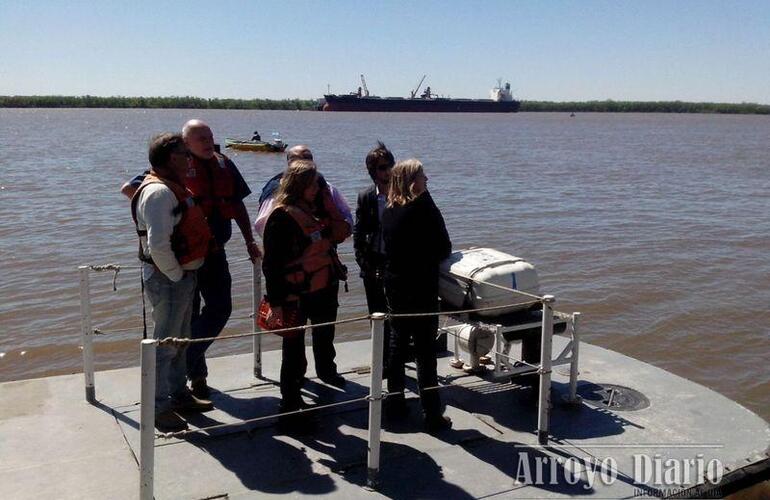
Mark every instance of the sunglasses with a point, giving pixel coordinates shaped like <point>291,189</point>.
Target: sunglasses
<point>385,166</point>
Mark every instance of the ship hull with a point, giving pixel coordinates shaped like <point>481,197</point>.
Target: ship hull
<point>437,105</point>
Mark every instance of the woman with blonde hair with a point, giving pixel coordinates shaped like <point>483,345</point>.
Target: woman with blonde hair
<point>416,241</point>
<point>301,282</point>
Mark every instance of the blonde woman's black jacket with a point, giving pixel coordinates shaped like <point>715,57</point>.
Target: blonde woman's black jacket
<point>416,241</point>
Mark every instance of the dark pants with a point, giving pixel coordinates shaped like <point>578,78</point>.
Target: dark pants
<point>376,302</point>
<point>214,289</point>
<point>422,330</point>
<point>318,307</point>
<point>530,352</point>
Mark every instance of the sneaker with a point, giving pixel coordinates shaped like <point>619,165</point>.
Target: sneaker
<point>200,389</point>
<point>188,402</point>
<point>436,423</point>
<point>168,421</point>
<point>334,379</point>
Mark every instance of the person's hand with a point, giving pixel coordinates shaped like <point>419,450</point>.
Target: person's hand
<point>276,316</point>
<point>254,251</point>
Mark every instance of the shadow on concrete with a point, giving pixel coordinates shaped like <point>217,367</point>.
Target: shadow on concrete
<point>513,407</point>
<point>118,414</point>
<point>269,462</point>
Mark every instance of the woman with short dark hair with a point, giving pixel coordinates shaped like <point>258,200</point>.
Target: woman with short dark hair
<point>416,241</point>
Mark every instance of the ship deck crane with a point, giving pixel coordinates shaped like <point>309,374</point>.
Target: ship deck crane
<point>363,84</point>
<point>414,92</point>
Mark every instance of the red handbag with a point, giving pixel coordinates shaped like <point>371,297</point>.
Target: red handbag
<point>292,316</point>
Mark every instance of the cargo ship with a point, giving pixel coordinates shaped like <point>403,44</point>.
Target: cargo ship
<point>501,101</point>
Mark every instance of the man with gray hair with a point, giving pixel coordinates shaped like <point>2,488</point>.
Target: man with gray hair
<point>219,189</point>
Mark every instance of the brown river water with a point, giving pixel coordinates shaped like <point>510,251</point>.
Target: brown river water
<point>656,227</point>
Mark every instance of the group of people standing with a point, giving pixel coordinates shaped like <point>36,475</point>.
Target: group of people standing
<point>183,207</point>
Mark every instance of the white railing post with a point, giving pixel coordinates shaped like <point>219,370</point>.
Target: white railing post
<point>544,405</point>
<point>87,333</point>
<point>147,420</point>
<point>375,401</point>
<point>256,297</point>
<point>573,365</point>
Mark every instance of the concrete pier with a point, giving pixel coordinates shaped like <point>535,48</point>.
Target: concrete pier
<point>53,444</point>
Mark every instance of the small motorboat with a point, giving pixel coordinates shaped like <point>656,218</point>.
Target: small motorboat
<point>275,146</point>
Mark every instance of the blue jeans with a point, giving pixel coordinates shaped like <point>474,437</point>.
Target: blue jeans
<point>171,312</point>
<point>214,290</point>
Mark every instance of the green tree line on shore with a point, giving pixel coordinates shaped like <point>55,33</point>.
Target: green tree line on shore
<point>746,108</point>
<point>186,102</point>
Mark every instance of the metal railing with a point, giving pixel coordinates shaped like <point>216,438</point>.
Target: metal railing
<point>148,354</point>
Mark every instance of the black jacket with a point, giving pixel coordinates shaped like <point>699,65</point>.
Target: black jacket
<point>416,241</point>
<point>366,231</point>
<point>284,242</point>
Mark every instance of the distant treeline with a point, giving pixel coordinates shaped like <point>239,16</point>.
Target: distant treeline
<point>87,101</point>
<point>745,108</point>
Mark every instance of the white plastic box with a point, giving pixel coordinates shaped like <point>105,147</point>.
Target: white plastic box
<point>463,278</point>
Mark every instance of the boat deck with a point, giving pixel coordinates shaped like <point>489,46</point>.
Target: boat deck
<point>55,445</point>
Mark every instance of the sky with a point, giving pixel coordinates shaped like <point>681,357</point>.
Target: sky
<point>552,50</point>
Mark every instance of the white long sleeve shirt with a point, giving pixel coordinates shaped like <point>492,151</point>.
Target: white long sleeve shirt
<point>269,204</point>
<point>155,214</point>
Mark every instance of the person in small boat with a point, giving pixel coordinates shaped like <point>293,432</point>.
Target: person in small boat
<point>416,241</point>
<point>331,208</point>
<point>174,240</point>
<point>301,280</point>
<point>367,233</point>
<point>256,136</point>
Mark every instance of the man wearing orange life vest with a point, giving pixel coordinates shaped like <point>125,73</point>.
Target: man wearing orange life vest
<point>219,189</point>
<point>174,240</point>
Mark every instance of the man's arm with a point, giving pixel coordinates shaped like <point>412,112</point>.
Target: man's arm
<point>265,209</point>
<point>155,211</point>
<point>244,224</point>
<point>129,188</point>
<point>241,214</point>
<point>342,205</point>
<point>339,227</point>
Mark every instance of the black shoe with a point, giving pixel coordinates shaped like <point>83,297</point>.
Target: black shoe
<point>168,421</point>
<point>188,402</point>
<point>200,389</point>
<point>528,380</point>
<point>396,409</point>
<point>334,379</point>
<point>437,423</point>
<point>296,423</point>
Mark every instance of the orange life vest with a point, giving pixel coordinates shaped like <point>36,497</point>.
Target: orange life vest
<point>191,238</point>
<point>212,184</point>
<point>312,271</point>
